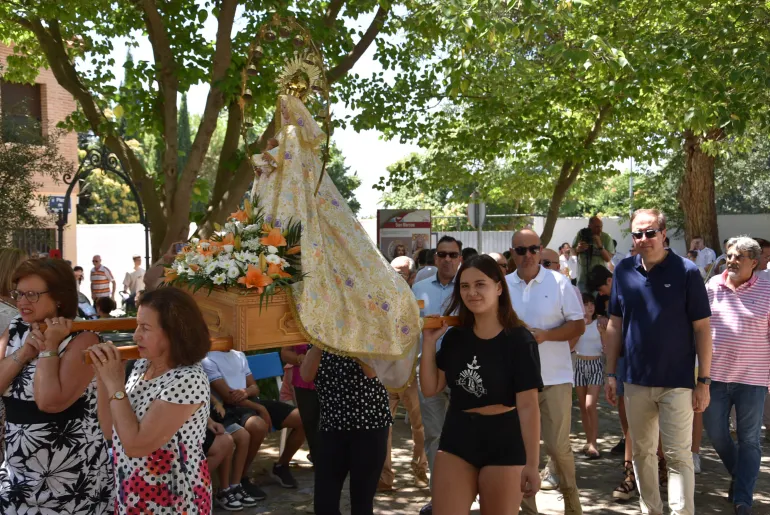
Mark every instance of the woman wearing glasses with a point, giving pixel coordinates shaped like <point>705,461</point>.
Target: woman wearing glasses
<point>491,437</point>
<point>56,457</point>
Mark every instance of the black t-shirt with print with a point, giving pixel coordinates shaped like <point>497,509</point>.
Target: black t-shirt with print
<point>349,400</point>
<point>488,372</point>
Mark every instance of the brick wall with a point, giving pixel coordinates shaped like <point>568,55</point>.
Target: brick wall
<point>56,105</point>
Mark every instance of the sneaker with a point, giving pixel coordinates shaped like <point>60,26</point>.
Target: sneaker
<point>620,448</point>
<point>227,500</point>
<point>427,509</point>
<point>253,490</point>
<point>696,463</point>
<point>742,509</point>
<point>549,482</point>
<point>245,499</point>
<point>627,488</point>
<point>281,474</point>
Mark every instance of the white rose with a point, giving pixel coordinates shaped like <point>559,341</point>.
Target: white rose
<point>272,258</point>
<point>205,245</point>
<point>233,272</point>
<point>272,250</point>
<point>229,227</point>
<point>219,279</point>
<point>229,248</point>
<point>284,263</point>
<point>251,228</point>
<point>195,241</point>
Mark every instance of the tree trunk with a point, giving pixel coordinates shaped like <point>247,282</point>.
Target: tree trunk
<point>567,177</point>
<point>696,193</point>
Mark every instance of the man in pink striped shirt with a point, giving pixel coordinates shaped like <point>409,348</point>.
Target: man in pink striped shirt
<point>740,367</point>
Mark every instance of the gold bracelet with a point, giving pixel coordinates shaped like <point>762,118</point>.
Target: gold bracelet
<point>48,354</point>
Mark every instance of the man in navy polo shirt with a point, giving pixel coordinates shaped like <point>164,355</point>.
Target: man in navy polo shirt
<point>659,317</point>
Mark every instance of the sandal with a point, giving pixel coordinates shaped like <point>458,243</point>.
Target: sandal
<point>627,488</point>
<point>592,456</point>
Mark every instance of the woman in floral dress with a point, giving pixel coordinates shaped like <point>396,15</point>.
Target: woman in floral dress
<point>166,394</point>
<point>56,457</point>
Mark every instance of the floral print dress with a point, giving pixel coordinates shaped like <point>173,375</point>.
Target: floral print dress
<point>175,478</point>
<point>54,463</point>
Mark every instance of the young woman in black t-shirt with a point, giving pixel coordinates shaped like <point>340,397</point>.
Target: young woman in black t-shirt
<point>491,435</point>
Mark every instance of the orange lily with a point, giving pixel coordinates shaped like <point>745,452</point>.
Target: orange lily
<point>274,238</point>
<point>240,215</point>
<point>266,228</point>
<point>275,269</point>
<point>229,239</point>
<point>296,249</point>
<point>195,268</point>
<point>255,279</point>
<point>169,274</point>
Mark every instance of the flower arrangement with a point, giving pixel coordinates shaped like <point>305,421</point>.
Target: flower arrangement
<point>249,252</point>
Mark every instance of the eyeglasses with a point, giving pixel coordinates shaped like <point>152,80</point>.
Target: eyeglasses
<point>546,263</point>
<point>649,234</point>
<point>451,255</point>
<point>96,261</point>
<point>31,296</point>
<point>533,249</point>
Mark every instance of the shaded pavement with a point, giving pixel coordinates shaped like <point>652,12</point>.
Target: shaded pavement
<point>596,479</point>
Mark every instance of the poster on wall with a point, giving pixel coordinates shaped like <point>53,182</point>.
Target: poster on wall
<point>403,231</point>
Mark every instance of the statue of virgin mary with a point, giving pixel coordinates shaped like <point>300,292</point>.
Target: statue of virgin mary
<point>350,301</point>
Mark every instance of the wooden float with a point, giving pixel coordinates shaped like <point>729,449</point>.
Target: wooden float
<point>235,322</point>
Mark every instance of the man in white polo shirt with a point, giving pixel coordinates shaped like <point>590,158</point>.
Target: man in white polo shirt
<point>546,302</point>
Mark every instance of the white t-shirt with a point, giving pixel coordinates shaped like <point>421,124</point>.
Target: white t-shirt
<point>230,366</point>
<point>548,301</point>
<point>590,343</point>
<point>571,264</point>
<point>705,257</point>
<point>134,281</point>
<point>764,274</point>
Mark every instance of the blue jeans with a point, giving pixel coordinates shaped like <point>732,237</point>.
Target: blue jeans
<point>741,459</point>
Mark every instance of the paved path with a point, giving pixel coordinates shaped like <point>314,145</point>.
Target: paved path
<point>596,480</point>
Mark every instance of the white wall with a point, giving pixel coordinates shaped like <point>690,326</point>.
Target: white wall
<point>115,243</point>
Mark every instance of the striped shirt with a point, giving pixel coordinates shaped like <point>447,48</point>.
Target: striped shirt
<point>101,278</point>
<point>740,329</point>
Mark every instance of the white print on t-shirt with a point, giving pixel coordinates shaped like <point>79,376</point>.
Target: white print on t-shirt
<point>470,380</point>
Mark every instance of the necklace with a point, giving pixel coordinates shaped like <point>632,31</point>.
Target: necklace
<point>152,372</point>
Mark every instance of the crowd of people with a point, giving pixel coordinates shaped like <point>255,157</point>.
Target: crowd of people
<point>675,353</point>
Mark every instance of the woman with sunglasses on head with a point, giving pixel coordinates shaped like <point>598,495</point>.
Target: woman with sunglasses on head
<point>491,437</point>
<point>56,457</point>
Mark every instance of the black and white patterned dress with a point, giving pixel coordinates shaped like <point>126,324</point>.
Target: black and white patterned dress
<point>175,478</point>
<point>350,400</point>
<point>54,463</point>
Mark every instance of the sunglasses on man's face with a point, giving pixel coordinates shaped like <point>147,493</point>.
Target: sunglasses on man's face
<point>521,251</point>
<point>649,234</point>
<point>451,255</point>
<point>546,263</point>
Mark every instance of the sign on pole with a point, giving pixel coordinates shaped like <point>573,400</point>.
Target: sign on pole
<point>477,211</point>
<point>401,230</point>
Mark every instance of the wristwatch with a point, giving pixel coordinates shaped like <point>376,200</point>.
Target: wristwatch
<point>614,376</point>
<point>118,396</point>
<point>705,380</point>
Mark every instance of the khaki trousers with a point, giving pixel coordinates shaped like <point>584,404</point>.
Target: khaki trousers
<point>411,401</point>
<point>668,410</point>
<point>555,424</point>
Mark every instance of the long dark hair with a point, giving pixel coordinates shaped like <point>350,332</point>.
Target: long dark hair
<point>489,267</point>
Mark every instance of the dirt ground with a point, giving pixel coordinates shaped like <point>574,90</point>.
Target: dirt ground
<point>596,479</point>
